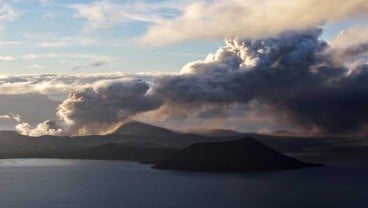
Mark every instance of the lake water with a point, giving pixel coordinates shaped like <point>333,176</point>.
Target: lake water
<point>48,183</point>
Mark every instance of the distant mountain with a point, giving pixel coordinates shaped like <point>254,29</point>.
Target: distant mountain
<point>213,132</point>
<point>239,155</point>
<point>144,143</point>
<point>139,129</point>
<point>284,133</point>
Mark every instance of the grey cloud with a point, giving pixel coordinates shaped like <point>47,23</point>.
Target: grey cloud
<point>96,110</point>
<point>290,72</point>
<point>58,84</point>
<point>95,64</point>
<point>98,63</point>
<point>33,108</point>
<point>291,80</point>
<point>224,77</point>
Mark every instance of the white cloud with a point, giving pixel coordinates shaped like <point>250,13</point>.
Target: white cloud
<point>103,14</point>
<point>355,35</point>
<point>9,43</point>
<point>217,19</point>
<point>56,41</point>
<point>7,58</point>
<point>53,44</point>
<point>62,84</point>
<point>36,66</point>
<point>350,46</point>
<point>11,116</point>
<point>7,13</point>
<point>4,117</point>
<point>33,56</point>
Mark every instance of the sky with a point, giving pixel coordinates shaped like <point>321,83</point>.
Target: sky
<point>54,36</point>
<point>86,66</point>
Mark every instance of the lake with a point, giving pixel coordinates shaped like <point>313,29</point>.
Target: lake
<point>38,183</point>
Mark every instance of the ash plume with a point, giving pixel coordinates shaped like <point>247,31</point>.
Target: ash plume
<point>96,110</point>
<point>293,75</point>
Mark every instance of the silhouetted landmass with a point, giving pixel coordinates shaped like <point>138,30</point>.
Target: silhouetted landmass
<point>284,133</point>
<point>139,128</point>
<point>240,155</point>
<point>214,132</point>
<point>108,147</point>
<point>145,143</point>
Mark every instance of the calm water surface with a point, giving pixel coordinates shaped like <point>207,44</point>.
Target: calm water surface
<point>38,183</point>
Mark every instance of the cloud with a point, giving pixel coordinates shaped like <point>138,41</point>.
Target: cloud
<point>351,46</point>
<point>352,36</point>
<point>33,108</point>
<point>288,80</point>
<point>53,44</point>
<point>215,19</point>
<point>96,63</point>
<point>56,41</point>
<point>7,13</point>
<point>59,84</point>
<point>96,110</point>
<point>9,43</point>
<point>11,116</point>
<point>8,121</point>
<point>36,66</point>
<point>33,56</point>
<point>290,73</point>
<point>7,58</point>
<point>104,14</point>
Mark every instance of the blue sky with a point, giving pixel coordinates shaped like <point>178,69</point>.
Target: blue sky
<point>54,36</point>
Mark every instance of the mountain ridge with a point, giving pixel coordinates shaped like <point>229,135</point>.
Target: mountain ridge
<point>140,128</point>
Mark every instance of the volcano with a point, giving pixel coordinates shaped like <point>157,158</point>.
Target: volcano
<point>240,155</point>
